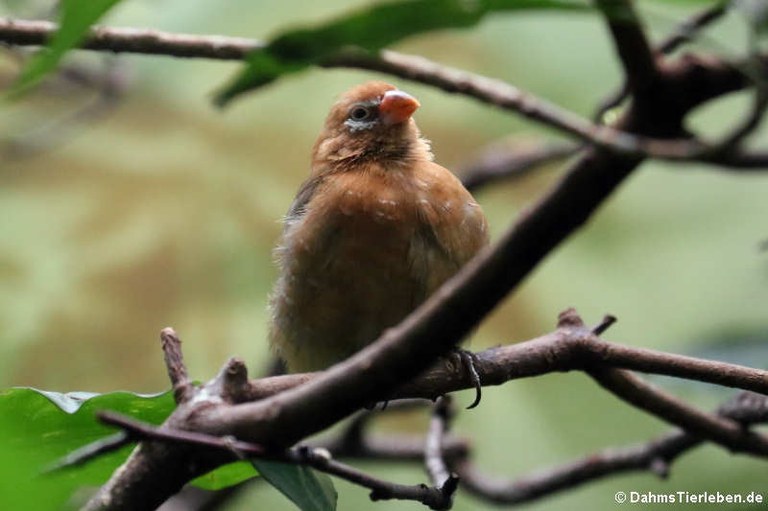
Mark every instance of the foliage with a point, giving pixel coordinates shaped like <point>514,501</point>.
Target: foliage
<point>369,29</point>
<point>308,489</point>
<point>38,428</point>
<point>76,19</point>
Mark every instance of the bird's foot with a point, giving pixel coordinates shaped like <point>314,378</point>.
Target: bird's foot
<point>467,360</point>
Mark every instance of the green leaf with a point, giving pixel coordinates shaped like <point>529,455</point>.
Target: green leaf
<point>76,18</point>
<point>307,488</point>
<point>226,475</point>
<point>370,29</point>
<point>38,428</point>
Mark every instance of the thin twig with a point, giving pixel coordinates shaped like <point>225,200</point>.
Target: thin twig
<point>503,162</point>
<point>606,323</point>
<point>133,40</point>
<point>656,456</point>
<point>508,97</point>
<point>684,32</point>
<point>687,30</point>
<point>91,451</point>
<point>433,451</point>
<point>419,69</point>
<point>142,430</point>
<point>356,441</point>
<point>751,122</point>
<point>174,363</point>
<point>738,161</point>
<point>512,160</point>
<point>434,497</point>
<point>434,460</point>
<point>392,447</point>
<point>645,396</point>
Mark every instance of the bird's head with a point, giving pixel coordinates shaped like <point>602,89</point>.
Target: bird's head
<point>371,122</point>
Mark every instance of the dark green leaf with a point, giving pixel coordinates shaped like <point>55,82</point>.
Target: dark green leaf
<point>370,29</point>
<point>76,18</point>
<point>37,428</point>
<point>307,488</point>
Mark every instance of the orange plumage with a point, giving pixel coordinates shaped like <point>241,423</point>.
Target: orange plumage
<point>371,234</point>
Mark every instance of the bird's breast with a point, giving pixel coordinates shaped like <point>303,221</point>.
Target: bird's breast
<point>347,269</point>
<point>368,222</point>
<point>367,248</point>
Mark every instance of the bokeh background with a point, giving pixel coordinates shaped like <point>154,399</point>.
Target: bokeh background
<point>163,210</point>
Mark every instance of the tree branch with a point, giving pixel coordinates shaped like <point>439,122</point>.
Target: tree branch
<point>561,350</point>
<point>632,47</point>
<point>572,347</point>
<point>682,34</point>
<point>656,456</point>
<point>434,461</point>
<point>512,159</point>
<point>645,396</point>
<point>133,40</point>
<point>174,362</point>
<point>437,497</point>
<point>494,92</point>
<point>687,30</point>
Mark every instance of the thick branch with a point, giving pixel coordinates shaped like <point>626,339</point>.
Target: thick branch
<point>560,350</point>
<point>632,46</point>
<point>572,346</point>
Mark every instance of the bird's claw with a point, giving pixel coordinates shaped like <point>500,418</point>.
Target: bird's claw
<point>467,360</point>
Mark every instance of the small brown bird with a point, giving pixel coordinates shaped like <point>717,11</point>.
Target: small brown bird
<point>376,228</point>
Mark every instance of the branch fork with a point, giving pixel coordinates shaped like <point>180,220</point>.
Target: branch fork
<point>182,446</point>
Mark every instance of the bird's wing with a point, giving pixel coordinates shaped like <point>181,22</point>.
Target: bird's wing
<point>453,227</point>
<point>303,196</point>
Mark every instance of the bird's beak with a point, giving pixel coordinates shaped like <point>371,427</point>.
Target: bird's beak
<point>397,106</point>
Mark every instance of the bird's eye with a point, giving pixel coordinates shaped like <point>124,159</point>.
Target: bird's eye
<point>360,113</point>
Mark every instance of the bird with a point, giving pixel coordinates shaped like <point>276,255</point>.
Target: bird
<point>374,230</point>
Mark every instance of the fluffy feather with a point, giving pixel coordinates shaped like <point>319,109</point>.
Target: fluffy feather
<point>371,234</point>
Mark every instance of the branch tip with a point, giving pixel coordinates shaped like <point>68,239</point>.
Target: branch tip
<point>232,381</point>
<point>236,372</point>
<point>174,363</point>
<point>569,318</point>
<point>168,332</point>
<point>659,467</point>
<point>605,324</point>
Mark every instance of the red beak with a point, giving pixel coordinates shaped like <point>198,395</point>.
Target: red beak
<point>397,107</point>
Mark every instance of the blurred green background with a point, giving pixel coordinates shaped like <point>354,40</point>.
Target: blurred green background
<point>165,211</point>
